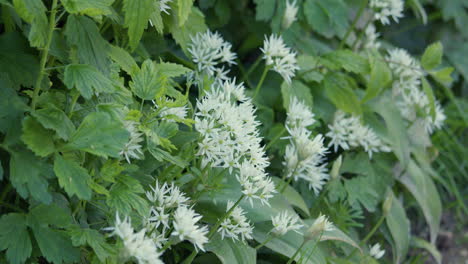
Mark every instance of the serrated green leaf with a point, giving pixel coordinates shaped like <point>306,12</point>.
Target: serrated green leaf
<point>91,237</point>
<point>91,48</point>
<point>399,227</point>
<point>430,95</point>
<point>110,170</point>
<point>37,138</point>
<point>51,214</point>
<point>171,70</point>
<point>182,34</point>
<point>123,59</point>
<point>72,177</point>
<point>444,75</point>
<point>88,7</point>
<point>264,9</point>
<point>53,118</point>
<point>145,83</point>
<point>432,56</point>
<point>55,245</point>
<point>157,21</point>
<point>30,180</point>
<point>125,197</point>
<point>183,10</point>
<point>380,77</point>
<point>346,59</point>
<point>339,91</point>
<point>358,190</point>
<point>431,248</point>
<point>87,80</point>
<point>97,188</point>
<point>161,155</point>
<point>34,12</point>
<point>291,195</point>
<point>137,15</point>
<point>231,252</point>
<point>327,17</point>
<point>100,135</point>
<point>14,238</point>
<point>296,89</point>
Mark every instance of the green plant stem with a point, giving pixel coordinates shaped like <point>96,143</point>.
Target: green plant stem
<point>369,235</point>
<point>73,103</point>
<point>286,183</point>
<point>291,259</point>
<point>353,25</point>
<point>273,141</point>
<point>315,245</point>
<point>264,74</point>
<point>265,242</point>
<point>251,69</point>
<point>44,56</point>
<point>356,41</point>
<point>213,230</point>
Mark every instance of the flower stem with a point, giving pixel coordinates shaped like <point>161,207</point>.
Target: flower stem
<point>251,69</point>
<point>44,56</point>
<point>369,235</point>
<point>291,259</point>
<point>278,136</point>
<point>265,242</point>
<point>265,71</point>
<point>353,25</point>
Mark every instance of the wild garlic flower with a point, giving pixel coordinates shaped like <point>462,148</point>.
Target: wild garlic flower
<point>290,14</point>
<point>304,155</point>
<point>376,252</point>
<point>320,225</point>
<point>280,57</point>
<point>133,148</point>
<point>186,227</point>
<point>348,132</point>
<point>236,226</point>
<point>230,138</point>
<point>386,9</point>
<point>164,6</point>
<point>285,222</point>
<point>371,38</point>
<point>136,245</point>
<point>209,51</point>
<point>412,101</point>
<point>166,196</point>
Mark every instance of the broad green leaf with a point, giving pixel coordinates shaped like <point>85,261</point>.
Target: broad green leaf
<point>123,59</point>
<point>34,12</point>
<point>431,248</point>
<point>100,135</point>
<point>51,214</point>
<point>161,155</point>
<point>444,75</point>
<point>316,17</point>
<point>87,80</point>
<point>157,21</point>
<point>457,58</point>
<point>296,89</point>
<point>91,48</point>
<point>14,238</point>
<point>184,9</point>
<point>91,237</point>
<point>291,195</point>
<point>171,70</point>
<point>55,245</point>
<point>346,59</point>
<point>456,10</point>
<point>182,34</point>
<point>425,192</point>
<point>430,95</point>
<point>88,7</point>
<point>380,77</point>
<point>231,252</point>
<point>399,226</point>
<point>72,177</point>
<point>328,18</point>
<point>53,118</point>
<point>264,9</point>
<point>339,91</point>
<point>37,138</point>
<point>432,56</point>
<point>12,106</point>
<point>125,197</point>
<point>137,15</point>
<point>145,83</point>
<point>359,192</point>
<point>30,180</point>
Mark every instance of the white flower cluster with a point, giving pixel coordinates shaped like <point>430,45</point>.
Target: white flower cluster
<point>386,9</point>
<point>164,199</point>
<point>226,121</point>
<point>168,113</point>
<point>376,252</point>
<point>236,226</point>
<point>209,51</point>
<point>413,103</point>
<point>290,14</point>
<point>282,58</point>
<point>164,6</point>
<point>285,222</point>
<point>136,245</point>
<point>304,156</point>
<point>347,132</point>
<point>133,148</point>
<point>320,225</point>
<point>371,38</point>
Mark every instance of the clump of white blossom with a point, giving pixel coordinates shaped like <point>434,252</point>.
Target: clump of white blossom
<point>347,132</point>
<point>304,154</point>
<point>236,226</point>
<point>172,113</point>
<point>136,245</point>
<point>169,207</point>
<point>285,222</point>
<point>320,225</point>
<point>386,9</point>
<point>133,148</point>
<point>280,57</point>
<point>413,103</point>
<point>371,38</point>
<point>209,51</point>
<point>230,138</point>
<point>290,14</point>
<point>164,6</point>
<point>376,252</point>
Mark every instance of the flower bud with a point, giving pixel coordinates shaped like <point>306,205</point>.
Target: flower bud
<point>320,225</point>
<point>335,171</point>
<point>387,204</point>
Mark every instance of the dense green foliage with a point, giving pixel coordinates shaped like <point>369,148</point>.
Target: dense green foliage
<point>73,73</point>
